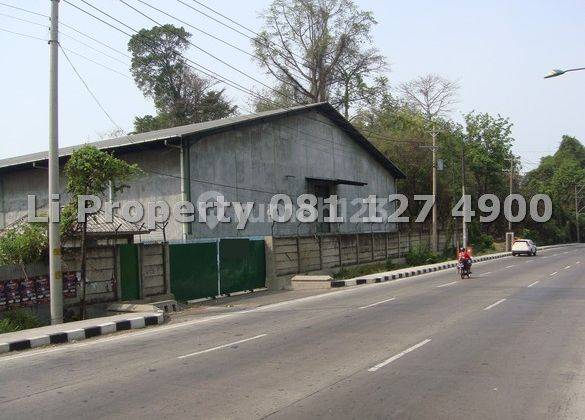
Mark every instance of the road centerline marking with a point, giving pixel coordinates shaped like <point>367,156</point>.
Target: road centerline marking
<point>533,284</point>
<point>567,267</point>
<point>398,356</point>
<point>377,303</point>
<point>487,308</point>
<point>447,284</point>
<point>556,272</point>
<point>510,266</point>
<point>223,346</point>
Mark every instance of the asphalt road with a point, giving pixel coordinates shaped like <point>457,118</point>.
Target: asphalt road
<point>509,343</point>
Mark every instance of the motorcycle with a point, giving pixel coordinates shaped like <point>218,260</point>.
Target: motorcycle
<point>464,269</point>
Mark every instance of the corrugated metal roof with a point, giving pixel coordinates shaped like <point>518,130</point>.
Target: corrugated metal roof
<point>97,225</point>
<point>210,127</point>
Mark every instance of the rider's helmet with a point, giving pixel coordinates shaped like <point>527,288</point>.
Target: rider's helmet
<point>462,249</point>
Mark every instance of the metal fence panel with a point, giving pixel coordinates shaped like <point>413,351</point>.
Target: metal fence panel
<point>193,270</point>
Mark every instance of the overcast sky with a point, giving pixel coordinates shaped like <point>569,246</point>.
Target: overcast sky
<point>497,50</point>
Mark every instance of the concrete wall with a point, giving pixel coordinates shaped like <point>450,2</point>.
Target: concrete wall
<point>251,163</point>
<point>304,254</point>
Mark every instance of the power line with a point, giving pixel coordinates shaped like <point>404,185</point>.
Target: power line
<point>61,23</point>
<point>97,63</point>
<point>23,10</point>
<point>198,29</point>
<point>88,89</point>
<point>225,17</point>
<point>93,48</point>
<point>207,71</point>
<point>24,35</point>
<point>24,20</point>
<point>202,49</point>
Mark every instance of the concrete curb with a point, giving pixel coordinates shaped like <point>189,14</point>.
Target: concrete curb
<point>423,269</point>
<point>71,335</point>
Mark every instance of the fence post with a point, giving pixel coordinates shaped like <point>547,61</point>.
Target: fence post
<point>372,243</point>
<point>339,249</point>
<point>319,244</point>
<point>357,248</point>
<point>386,244</point>
<point>398,244</point>
<point>218,268</point>
<point>298,255</point>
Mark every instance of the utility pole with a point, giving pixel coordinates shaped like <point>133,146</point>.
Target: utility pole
<point>464,242</point>
<point>434,235</point>
<point>55,276</point>
<point>577,214</point>
<point>512,161</point>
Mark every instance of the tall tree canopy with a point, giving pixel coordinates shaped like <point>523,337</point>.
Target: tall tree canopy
<point>318,50</point>
<point>162,74</point>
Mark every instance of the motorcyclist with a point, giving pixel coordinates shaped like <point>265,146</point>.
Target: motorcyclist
<point>465,258</point>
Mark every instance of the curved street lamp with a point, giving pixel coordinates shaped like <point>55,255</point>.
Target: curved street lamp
<point>558,72</point>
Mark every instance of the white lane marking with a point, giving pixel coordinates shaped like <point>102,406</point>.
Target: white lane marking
<point>578,262</point>
<point>487,308</point>
<point>510,266</point>
<point>486,273</point>
<point>533,284</point>
<point>398,356</point>
<point>556,272</point>
<point>447,284</point>
<point>223,346</point>
<point>377,303</point>
<point>567,267</point>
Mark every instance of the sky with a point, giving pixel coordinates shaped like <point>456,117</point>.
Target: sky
<point>497,50</point>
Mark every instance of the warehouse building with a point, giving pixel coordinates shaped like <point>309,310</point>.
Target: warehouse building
<point>248,158</point>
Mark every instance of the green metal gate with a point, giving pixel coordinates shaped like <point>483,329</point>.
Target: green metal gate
<point>129,272</point>
<point>201,270</point>
<point>242,265</point>
<point>193,270</point>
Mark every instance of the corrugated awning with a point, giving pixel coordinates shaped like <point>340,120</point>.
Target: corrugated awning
<point>332,181</point>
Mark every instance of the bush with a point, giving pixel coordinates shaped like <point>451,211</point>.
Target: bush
<point>18,319</point>
<point>420,255</point>
<point>484,243</point>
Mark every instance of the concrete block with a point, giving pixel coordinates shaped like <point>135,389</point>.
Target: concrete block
<point>39,341</point>
<point>4,347</point>
<point>137,322</point>
<point>108,328</point>
<point>75,335</point>
<point>303,282</point>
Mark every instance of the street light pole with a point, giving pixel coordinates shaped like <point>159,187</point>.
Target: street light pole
<point>55,277</point>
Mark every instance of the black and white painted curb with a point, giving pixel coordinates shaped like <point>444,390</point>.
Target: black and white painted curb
<point>73,335</point>
<point>415,271</point>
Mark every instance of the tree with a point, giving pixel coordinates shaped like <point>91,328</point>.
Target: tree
<point>433,96</point>
<point>23,244</point>
<point>90,171</point>
<point>318,50</point>
<point>161,72</point>
<point>557,176</point>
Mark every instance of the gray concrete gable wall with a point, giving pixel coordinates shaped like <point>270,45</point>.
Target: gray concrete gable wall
<point>256,162</point>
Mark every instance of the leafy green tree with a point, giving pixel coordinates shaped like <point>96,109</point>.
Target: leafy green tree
<point>24,244</point>
<point>90,171</point>
<point>161,72</point>
<point>557,176</point>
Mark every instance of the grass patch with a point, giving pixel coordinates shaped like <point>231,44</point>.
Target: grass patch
<point>18,319</point>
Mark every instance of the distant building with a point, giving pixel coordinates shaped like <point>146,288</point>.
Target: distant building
<point>249,158</point>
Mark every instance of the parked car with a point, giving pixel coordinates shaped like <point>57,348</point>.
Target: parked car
<point>523,246</point>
